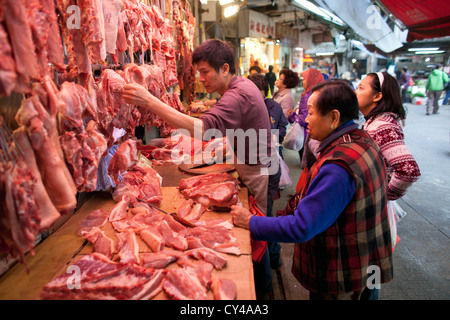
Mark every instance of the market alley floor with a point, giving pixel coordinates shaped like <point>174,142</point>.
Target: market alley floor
<point>421,258</point>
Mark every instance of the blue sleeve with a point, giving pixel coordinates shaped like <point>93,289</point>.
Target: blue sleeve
<point>327,196</point>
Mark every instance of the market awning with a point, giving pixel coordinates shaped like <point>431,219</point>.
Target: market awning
<point>365,21</point>
<point>424,19</point>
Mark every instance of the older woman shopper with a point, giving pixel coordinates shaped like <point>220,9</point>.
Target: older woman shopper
<point>339,224</point>
<point>287,80</point>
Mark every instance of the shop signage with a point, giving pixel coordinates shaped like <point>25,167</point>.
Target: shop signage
<point>255,25</point>
<point>307,58</point>
<point>261,26</point>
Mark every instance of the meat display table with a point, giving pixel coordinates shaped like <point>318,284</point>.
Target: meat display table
<point>64,247</point>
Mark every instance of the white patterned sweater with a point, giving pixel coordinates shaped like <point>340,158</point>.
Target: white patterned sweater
<point>402,169</point>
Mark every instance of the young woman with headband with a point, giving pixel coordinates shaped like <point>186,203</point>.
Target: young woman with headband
<point>381,104</point>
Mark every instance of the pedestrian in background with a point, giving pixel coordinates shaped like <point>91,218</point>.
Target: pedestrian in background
<point>447,93</point>
<point>435,85</point>
<point>288,80</point>
<point>380,103</point>
<point>278,122</point>
<point>338,220</point>
<point>253,70</point>
<point>311,77</point>
<point>271,78</point>
<point>404,81</point>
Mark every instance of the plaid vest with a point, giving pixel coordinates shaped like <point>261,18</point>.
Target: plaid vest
<point>337,260</point>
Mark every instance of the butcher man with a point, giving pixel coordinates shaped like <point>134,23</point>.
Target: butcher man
<point>240,114</point>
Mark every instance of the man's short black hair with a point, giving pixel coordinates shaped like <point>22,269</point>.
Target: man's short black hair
<point>216,53</point>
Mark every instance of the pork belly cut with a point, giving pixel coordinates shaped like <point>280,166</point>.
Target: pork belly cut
<point>139,210</point>
<point>20,35</point>
<point>121,42</point>
<point>173,224</point>
<point>137,222</point>
<point>228,247</point>
<point>54,44</point>
<point>102,243</point>
<point>120,210</point>
<point>39,125</point>
<point>127,247</point>
<point>103,279</point>
<point>111,12</point>
<point>47,211</point>
<point>157,260</point>
<point>153,239</point>
<point>218,238</point>
<point>19,214</point>
<point>147,219</point>
<point>196,213</point>
<point>96,218</point>
<point>140,183</point>
<point>93,28</point>
<point>217,259</point>
<point>185,208</point>
<point>203,270</point>
<point>83,146</point>
<point>92,267</point>
<point>207,179</point>
<point>213,189</point>
<point>39,20</point>
<point>223,289</point>
<point>223,194</point>
<point>227,224</point>
<point>183,284</point>
<point>132,283</point>
<point>172,239</point>
<point>124,225</point>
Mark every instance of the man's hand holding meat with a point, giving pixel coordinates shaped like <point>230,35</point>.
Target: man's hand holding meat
<point>136,94</point>
<point>241,216</point>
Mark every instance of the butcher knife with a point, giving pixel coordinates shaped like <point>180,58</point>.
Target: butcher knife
<point>174,215</point>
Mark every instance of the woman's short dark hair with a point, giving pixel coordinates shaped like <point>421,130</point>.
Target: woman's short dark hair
<point>261,82</point>
<point>258,69</point>
<point>216,53</point>
<point>391,100</point>
<point>291,79</point>
<point>337,94</point>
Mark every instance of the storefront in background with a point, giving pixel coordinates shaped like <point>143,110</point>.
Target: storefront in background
<point>287,52</point>
<point>256,33</point>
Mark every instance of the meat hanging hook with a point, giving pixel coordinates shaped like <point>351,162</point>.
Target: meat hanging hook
<point>10,149</point>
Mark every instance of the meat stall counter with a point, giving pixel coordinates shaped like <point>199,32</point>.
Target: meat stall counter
<point>57,255</point>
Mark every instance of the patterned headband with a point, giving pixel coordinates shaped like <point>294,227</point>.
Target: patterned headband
<point>381,78</point>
